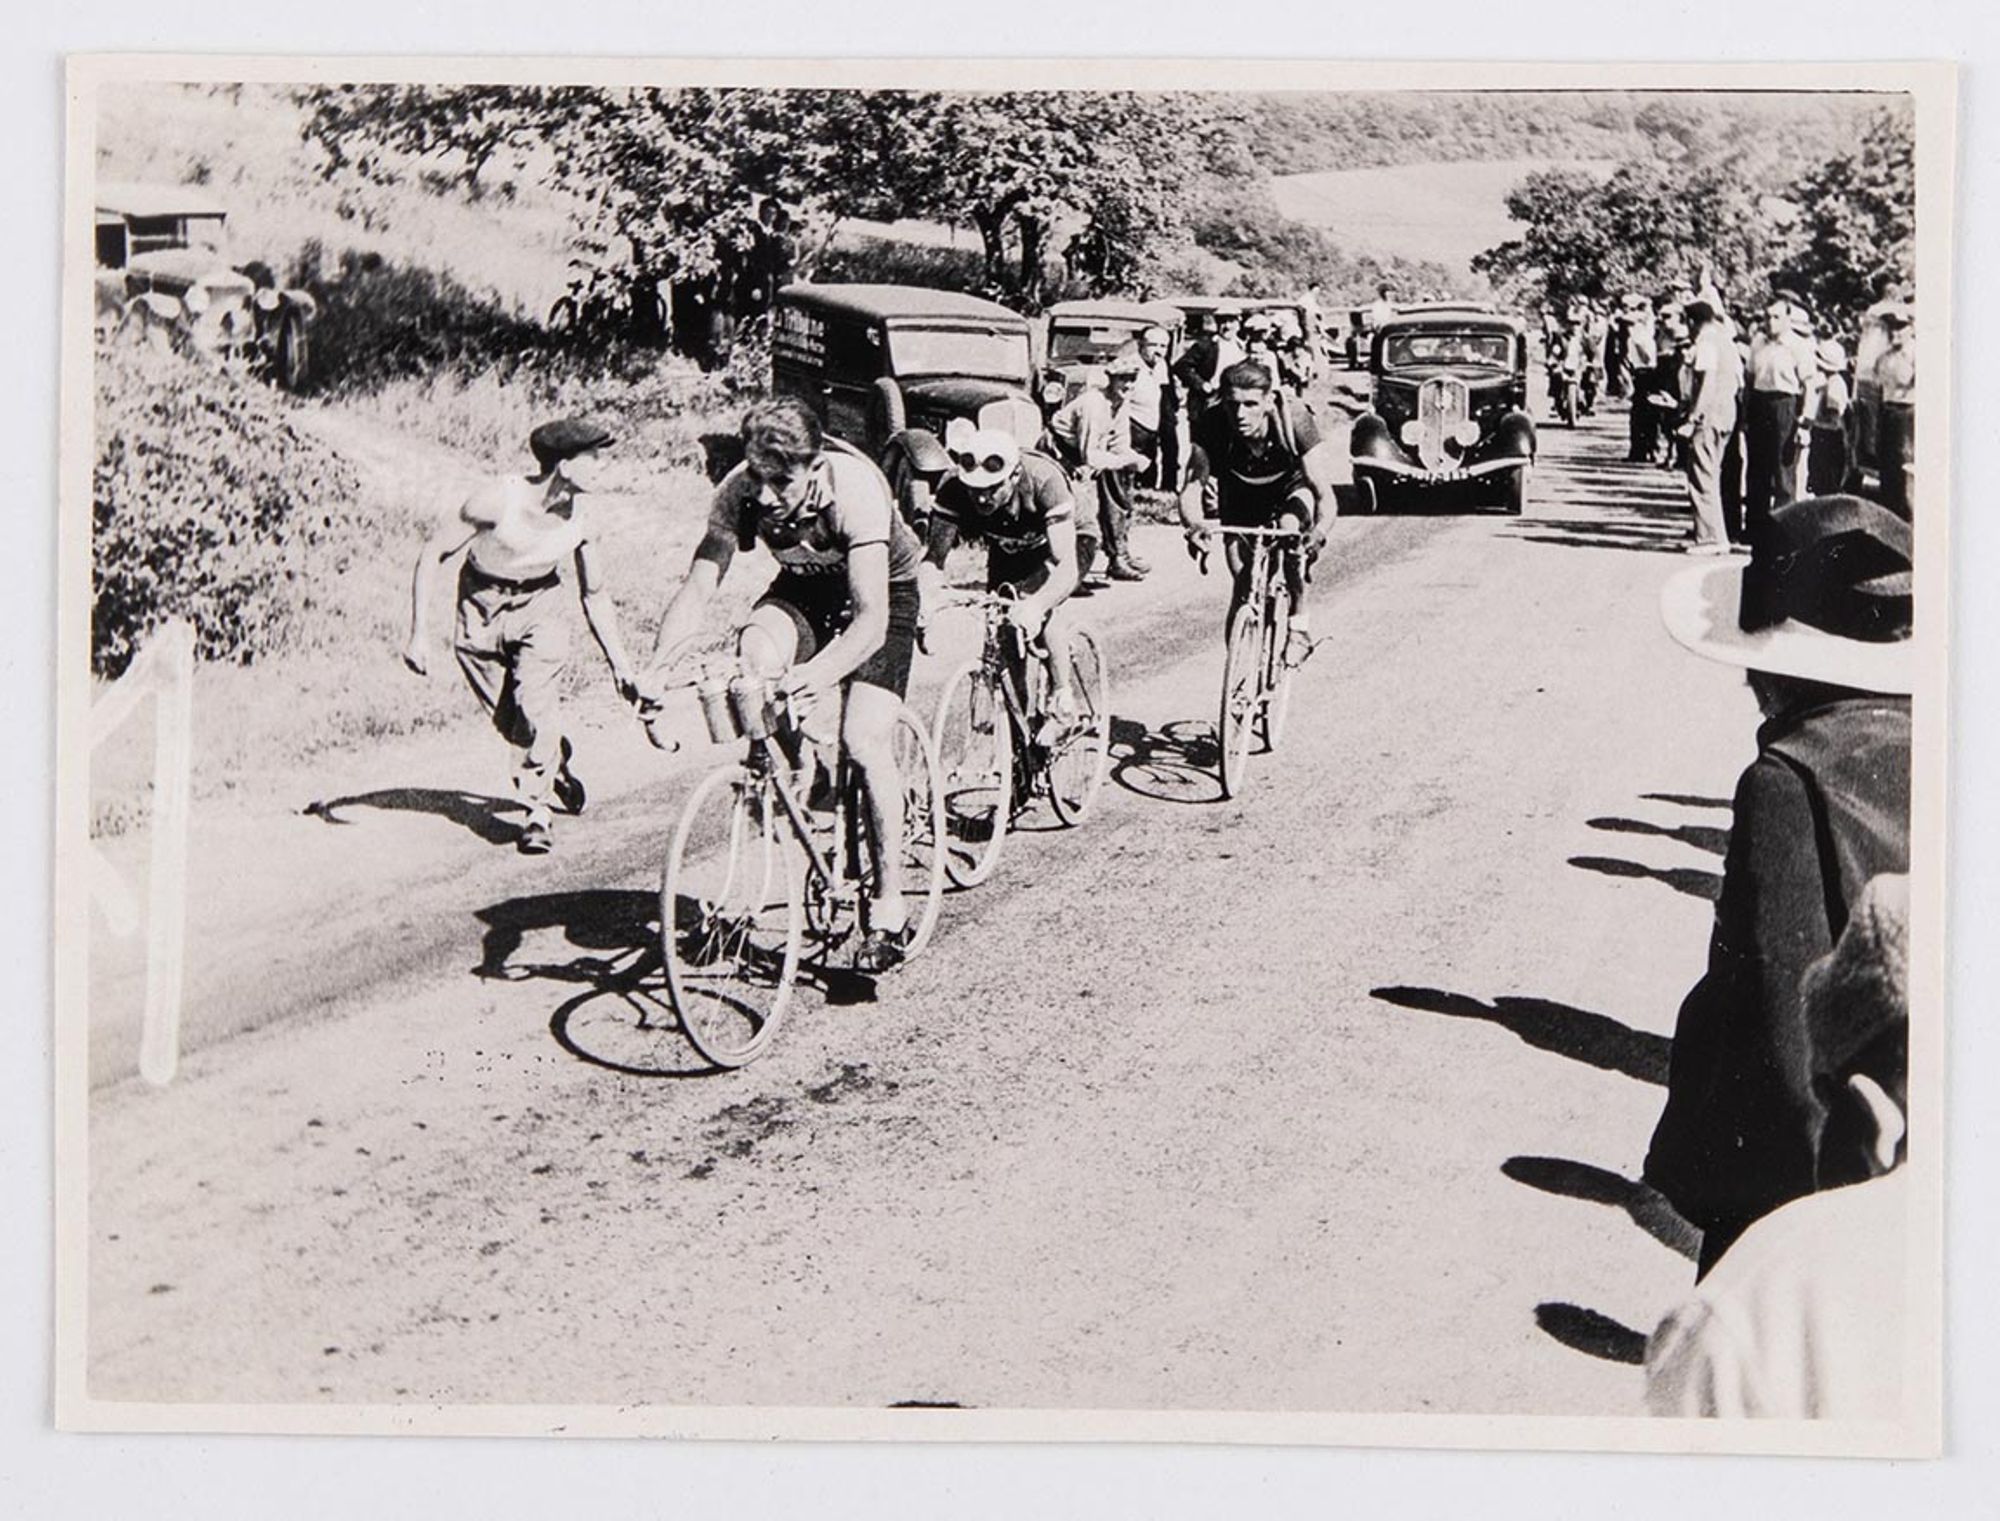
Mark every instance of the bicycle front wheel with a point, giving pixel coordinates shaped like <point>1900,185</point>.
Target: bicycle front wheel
<point>975,751</point>
<point>1081,758</point>
<point>1278,670</point>
<point>922,812</point>
<point>1236,726</point>
<point>731,917</point>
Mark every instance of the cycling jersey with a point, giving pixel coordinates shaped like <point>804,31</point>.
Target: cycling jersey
<point>1253,480</point>
<point>1014,522</point>
<point>848,505</point>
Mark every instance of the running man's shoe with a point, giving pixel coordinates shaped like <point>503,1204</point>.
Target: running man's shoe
<point>535,839</point>
<point>568,785</point>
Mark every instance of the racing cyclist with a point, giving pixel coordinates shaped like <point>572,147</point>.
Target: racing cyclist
<point>1021,506</point>
<point>1258,461</point>
<point>837,627</point>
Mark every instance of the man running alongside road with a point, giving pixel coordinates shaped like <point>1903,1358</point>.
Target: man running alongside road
<point>511,639</point>
<point>1258,461</point>
<point>837,626</point>
<point>1021,506</point>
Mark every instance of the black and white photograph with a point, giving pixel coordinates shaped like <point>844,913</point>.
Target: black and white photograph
<point>976,751</point>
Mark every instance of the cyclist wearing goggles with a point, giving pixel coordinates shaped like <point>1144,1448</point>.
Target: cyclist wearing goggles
<point>1258,461</point>
<point>838,624</point>
<point>1020,506</point>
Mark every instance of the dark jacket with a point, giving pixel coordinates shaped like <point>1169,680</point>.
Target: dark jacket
<point>1824,807</point>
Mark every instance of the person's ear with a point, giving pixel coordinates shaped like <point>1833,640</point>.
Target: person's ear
<point>1889,1123</point>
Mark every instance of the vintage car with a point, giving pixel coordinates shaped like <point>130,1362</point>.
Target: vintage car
<point>162,273</point>
<point>1450,411</point>
<point>1083,335</point>
<point>889,369</point>
<point>1199,312</point>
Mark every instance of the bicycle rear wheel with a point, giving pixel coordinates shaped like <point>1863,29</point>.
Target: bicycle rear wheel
<point>1078,766</point>
<point>1236,725</point>
<point>975,750</point>
<point>1278,670</point>
<point>731,919</point>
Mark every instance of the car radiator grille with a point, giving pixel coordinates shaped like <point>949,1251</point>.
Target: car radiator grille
<point>1442,404</point>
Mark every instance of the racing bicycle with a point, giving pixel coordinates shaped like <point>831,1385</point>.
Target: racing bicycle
<point>773,866</point>
<point>1256,669</point>
<point>1000,744</point>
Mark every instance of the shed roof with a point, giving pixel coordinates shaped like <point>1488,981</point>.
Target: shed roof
<point>125,198</point>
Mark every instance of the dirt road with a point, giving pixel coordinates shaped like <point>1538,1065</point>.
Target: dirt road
<point>1326,1098</point>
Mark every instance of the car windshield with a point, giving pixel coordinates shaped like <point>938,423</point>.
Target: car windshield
<point>1086,344</point>
<point>991,353</point>
<point>1488,350</point>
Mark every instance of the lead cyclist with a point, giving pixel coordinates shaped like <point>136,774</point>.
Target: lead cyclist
<point>1258,461</point>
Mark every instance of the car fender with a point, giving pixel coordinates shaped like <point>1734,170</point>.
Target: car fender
<point>1370,438</point>
<point>1513,435</point>
<point>919,449</point>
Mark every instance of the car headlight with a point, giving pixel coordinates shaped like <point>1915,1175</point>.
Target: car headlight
<point>1054,393</point>
<point>1466,434</point>
<point>268,300</point>
<point>196,300</point>
<point>1411,433</point>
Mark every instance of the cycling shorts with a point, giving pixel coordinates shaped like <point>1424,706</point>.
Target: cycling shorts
<point>820,610</point>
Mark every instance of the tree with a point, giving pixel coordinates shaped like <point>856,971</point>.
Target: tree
<point>1858,220</point>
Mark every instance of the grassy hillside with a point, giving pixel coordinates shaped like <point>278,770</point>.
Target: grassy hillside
<point>1436,213</point>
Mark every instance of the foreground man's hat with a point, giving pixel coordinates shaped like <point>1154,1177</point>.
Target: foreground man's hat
<point>566,438</point>
<point>1825,597</point>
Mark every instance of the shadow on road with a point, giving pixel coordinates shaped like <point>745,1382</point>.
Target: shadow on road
<point>1691,880</point>
<point>1594,1039</point>
<point>1686,800</point>
<point>1596,1185</point>
<point>491,818</point>
<point>1700,836</point>
<point>1175,763</point>
<point>622,1020</point>
<point>1591,1332</point>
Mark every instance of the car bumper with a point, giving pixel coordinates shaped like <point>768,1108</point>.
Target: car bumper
<point>1418,474</point>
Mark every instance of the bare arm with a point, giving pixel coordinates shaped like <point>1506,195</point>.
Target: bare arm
<point>712,557</point>
<point>1317,465</point>
<point>447,539</point>
<point>1061,579</point>
<point>602,617</point>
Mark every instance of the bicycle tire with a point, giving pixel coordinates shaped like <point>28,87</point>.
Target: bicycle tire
<point>731,917</point>
<point>974,740</point>
<point>1080,763</point>
<point>1278,671</point>
<point>923,833</point>
<point>1234,728</point>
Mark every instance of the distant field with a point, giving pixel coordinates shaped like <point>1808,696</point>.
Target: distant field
<point>1442,212</point>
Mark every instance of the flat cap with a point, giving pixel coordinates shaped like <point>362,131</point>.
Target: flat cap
<point>567,437</point>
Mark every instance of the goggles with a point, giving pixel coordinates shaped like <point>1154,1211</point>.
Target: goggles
<point>988,464</point>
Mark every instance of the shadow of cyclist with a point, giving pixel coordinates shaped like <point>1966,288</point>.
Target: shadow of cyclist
<point>1175,763</point>
<point>494,820</point>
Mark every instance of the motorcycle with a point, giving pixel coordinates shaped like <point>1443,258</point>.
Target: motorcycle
<point>1562,393</point>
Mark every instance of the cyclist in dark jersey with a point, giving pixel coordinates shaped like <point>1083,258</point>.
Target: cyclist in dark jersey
<point>1021,507</point>
<point>1257,461</point>
<point>838,623</point>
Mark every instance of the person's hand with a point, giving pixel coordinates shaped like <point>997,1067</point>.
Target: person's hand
<point>627,684</point>
<point>416,655</point>
<point>804,686</point>
<point>1026,617</point>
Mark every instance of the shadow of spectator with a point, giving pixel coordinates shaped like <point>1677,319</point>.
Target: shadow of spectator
<point>1687,800</point>
<point>1700,836</point>
<point>1594,1039</point>
<point>1663,546</point>
<point>1691,880</point>
<point>1175,763</point>
<point>1592,1333</point>
<point>490,818</point>
<point>1596,1185</point>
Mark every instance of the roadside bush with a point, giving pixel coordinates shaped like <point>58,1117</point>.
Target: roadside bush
<point>206,505</point>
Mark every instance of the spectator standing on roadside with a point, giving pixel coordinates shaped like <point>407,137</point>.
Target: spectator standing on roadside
<point>512,642</point>
<point>1152,406</point>
<point>1896,433</point>
<point>1707,419</point>
<point>1775,389</point>
<point>1803,1318</point>
<point>1820,619</point>
<point>1093,432</point>
<point>1200,367</point>
<point>1826,452</point>
<point>1642,359</point>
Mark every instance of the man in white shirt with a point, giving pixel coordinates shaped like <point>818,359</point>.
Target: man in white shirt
<point>1707,418</point>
